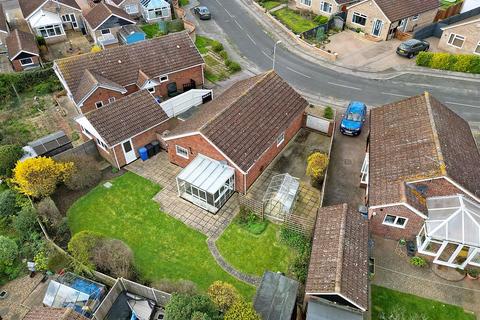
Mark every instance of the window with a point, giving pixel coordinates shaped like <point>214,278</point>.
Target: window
<point>306,2</point>
<point>110,100</point>
<point>182,152</point>
<point>158,13</point>
<point>477,49</point>
<point>415,18</point>
<point>456,40</point>
<point>131,8</point>
<point>163,78</point>
<point>151,90</point>
<point>50,31</point>
<point>66,18</point>
<point>101,144</point>
<point>359,18</point>
<point>105,31</point>
<point>280,138</point>
<point>395,221</point>
<point>26,61</point>
<point>325,7</point>
<point>99,104</point>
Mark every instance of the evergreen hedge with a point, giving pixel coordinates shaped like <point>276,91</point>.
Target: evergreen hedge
<point>452,62</point>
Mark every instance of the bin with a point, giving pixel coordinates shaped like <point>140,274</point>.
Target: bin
<point>149,148</point>
<point>143,153</point>
<point>156,146</point>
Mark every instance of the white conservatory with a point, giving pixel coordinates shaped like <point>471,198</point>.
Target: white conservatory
<point>155,10</point>
<point>451,233</point>
<point>206,183</point>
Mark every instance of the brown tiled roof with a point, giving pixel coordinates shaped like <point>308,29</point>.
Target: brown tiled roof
<point>91,80</point>
<point>121,64</point>
<point>3,20</point>
<point>399,9</point>
<point>29,6</point>
<point>339,259</point>
<point>246,119</point>
<point>101,12</point>
<point>127,117</point>
<point>142,78</point>
<point>19,41</point>
<point>418,138</point>
<point>45,313</point>
<point>344,1</point>
<point>118,2</point>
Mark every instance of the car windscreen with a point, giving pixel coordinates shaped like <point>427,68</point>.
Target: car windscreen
<point>203,10</point>
<point>404,46</point>
<point>353,117</point>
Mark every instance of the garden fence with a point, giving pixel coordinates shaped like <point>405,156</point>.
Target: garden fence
<point>253,205</point>
<point>301,224</point>
<point>337,21</point>
<point>85,149</point>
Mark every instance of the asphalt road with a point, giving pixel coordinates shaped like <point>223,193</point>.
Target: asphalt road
<point>256,45</point>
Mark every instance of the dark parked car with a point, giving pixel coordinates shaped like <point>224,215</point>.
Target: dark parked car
<point>353,118</point>
<point>202,12</point>
<point>412,47</point>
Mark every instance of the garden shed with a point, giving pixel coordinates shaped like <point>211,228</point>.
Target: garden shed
<point>451,232</point>
<point>50,145</point>
<point>279,199</point>
<point>155,10</point>
<point>207,183</point>
<point>131,33</point>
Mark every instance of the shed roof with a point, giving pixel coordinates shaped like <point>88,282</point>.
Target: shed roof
<point>102,11</point>
<point>418,138</point>
<point>49,142</point>
<point>276,297</point>
<point>339,259</point>
<point>320,309</point>
<point>130,29</point>
<point>19,41</point>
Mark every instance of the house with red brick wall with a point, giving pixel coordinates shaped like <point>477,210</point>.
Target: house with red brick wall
<point>418,149</point>
<point>227,143</point>
<point>164,66</point>
<point>22,50</point>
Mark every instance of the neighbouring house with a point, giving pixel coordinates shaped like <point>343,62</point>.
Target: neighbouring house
<point>104,21</point>
<point>385,19</point>
<point>47,313</point>
<point>4,29</point>
<point>324,7</point>
<point>337,279</point>
<point>462,37</point>
<point>22,50</point>
<point>132,7</point>
<point>155,10</point>
<point>470,5</point>
<point>92,80</point>
<point>130,34</point>
<point>51,18</point>
<point>227,143</point>
<point>418,149</point>
<point>276,297</point>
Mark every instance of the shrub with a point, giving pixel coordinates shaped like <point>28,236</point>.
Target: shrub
<point>418,262</point>
<point>57,261</point>
<point>443,61</point>
<point>299,267</point>
<point>179,286</point>
<point>8,203</point>
<point>217,46</point>
<point>328,113</point>
<point>320,19</point>
<point>223,54</point>
<point>47,209</point>
<point>317,163</point>
<point>234,67</point>
<point>32,244</point>
<point>8,254</point>
<point>9,155</point>
<point>81,247</point>
<point>294,239</point>
<point>223,295</point>
<point>183,306</point>
<point>424,59</point>
<point>446,61</point>
<point>25,223</point>
<point>228,62</point>
<point>241,310</point>
<point>96,48</point>
<point>41,261</point>
<point>301,243</point>
<point>114,256</point>
<point>85,173</point>
<point>473,272</point>
<point>41,41</point>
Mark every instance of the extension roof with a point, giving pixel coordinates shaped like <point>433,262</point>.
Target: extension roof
<point>47,313</point>
<point>91,81</point>
<point>19,41</point>
<point>30,6</point>
<point>245,120</point>
<point>419,138</point>
<point>101,12</point>
<point>120,65</point>
<point>339,259</point>
<point>396,10</point>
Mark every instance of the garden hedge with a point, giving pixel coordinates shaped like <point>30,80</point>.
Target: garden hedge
<point>452,62</point>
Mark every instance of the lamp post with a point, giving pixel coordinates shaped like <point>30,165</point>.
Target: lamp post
<point>274,52</point>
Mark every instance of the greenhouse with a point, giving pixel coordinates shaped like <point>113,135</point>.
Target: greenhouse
<point>451,232</point>
<point>279,199</point>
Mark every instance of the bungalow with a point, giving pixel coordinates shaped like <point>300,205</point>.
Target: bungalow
<point>418,150</point>
<point>227,143</point>
<point>462,37</point>
<point>4,29</point>
<point>337,278</point>
<point>22,50</point>
<point>50,18</point>
<point>382,19</point>
<point>156,10</point>
<point>92,80</point>
<point>324,7</point>
<point>103,22</point>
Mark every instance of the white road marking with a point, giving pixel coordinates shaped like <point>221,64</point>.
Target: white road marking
<point>267,55</point>
<point>228,12</point>
<point>462,104</point>
<point>251,39</point>
<point>238,24</point>
<point>297,72</point>
<point>395,94</point>
<point>219,3</point>
<point>345,86</point>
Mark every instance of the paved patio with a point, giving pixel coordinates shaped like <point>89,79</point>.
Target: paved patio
<point>159,170</point>
<point>393,270</point>
<point>75,44</point>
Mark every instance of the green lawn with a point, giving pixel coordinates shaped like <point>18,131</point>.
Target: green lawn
<point>163,246</point>
<point>388,301</point>
<point>293,20</point>
<point>253,254</point>
<point>269,5</point>
<point>151,30</point>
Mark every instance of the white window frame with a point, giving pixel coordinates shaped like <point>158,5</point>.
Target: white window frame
<point>111,99</point>
<point>86,132</point>
<point>54,28</point>
<point>26,64</point>
<point>180,149</point>
<point>477,48</point>
<point>151,89</point>
<point>360,15</point>
<point>101,144</point>
<point>415,17</point>
<point>280,138</point>
<point>165,78</point>
<point>128,8</point>
<point>99,103</point>
<point>307,3</point>
<point>394,224</point>
<point>323,3</point>
<point>452,37</point>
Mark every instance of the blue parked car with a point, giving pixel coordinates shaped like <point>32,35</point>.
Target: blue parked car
<point>353,119</point>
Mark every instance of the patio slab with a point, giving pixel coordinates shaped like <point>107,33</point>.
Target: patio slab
<point>75,44</point>
<point>393,270</point>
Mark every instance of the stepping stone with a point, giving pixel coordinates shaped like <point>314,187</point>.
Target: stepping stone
<point>108,185</point>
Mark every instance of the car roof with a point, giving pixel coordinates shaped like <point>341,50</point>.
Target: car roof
<point>411,41</point>
<point>202,8</point>
<point>356,106</point>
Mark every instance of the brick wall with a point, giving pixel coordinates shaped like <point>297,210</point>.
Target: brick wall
<point>438,188</point>
<point>17,66</point>
<point>424,19</point>
<point>371,10</point>
<point>101,94</point>
<point>472,38</point>
<point>412,228</point>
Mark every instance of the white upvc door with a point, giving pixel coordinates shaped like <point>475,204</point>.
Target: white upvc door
<point>377,27</point>
<point>128,151</point>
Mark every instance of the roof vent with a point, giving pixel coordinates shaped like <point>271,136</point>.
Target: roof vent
<point>119,61</point>
<point>178,47</point>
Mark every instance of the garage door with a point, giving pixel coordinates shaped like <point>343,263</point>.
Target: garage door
<point>318,124</point>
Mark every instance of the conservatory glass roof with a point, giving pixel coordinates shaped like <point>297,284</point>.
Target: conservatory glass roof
<point>455,219</point>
